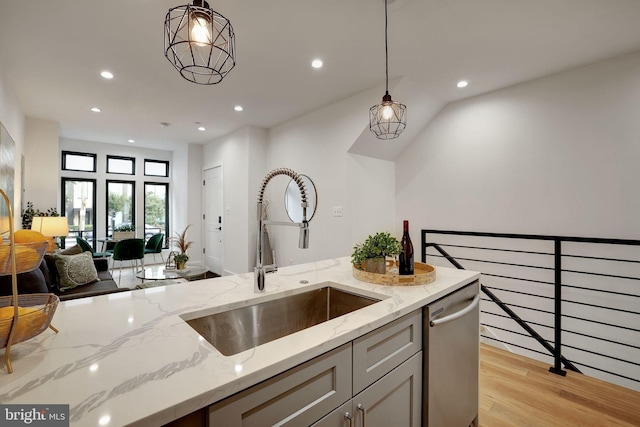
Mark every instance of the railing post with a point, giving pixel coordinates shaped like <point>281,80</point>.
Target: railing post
<point>557,353</point>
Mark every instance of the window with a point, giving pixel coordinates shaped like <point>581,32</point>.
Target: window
<point>78,205</point>
<point>123,165</point>
<point>74,161</point>
<point>120,204</point>
<point>156,168</point>
<point>156,209</point>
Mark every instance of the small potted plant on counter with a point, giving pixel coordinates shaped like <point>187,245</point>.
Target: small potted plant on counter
<point>370,255</point>
<point>180,240</point>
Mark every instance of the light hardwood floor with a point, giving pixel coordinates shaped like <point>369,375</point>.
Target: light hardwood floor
<point>520,392</point>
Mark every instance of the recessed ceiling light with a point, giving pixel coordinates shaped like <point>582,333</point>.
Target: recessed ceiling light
<point>238,108</point>
<point>316,63</point>
<point>95,109</point>
<point>107,74</point>
<point>132,141</point>
<point>462,83</point>
<point>201,129</point>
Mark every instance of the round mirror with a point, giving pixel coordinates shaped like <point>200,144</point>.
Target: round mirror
<point>293,199</point>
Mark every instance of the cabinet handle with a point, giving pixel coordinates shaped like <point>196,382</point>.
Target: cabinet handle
<point>364,414</point>
<point>348,416</point>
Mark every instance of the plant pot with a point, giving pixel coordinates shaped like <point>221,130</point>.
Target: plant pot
<point>375,265</point>
<point>121,235</point>
<point>181,265</point>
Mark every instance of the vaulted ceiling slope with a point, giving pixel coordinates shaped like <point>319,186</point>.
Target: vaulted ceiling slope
<point>53,51</point>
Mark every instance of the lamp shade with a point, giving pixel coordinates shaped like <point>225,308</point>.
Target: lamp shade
<point>199,42</point>
<point>388,119</point>
<point>51,226</point>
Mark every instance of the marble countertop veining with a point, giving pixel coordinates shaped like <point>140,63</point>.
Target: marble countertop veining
<point>129,358</point>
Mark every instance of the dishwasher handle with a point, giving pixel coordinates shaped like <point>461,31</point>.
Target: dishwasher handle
<point>458,314</point>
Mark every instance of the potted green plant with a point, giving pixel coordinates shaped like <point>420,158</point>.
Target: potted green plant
<point>181,261</point>
<point>124,231</point>
<point>370,255</point>
<point>30,212</point>
<point>180,241</point>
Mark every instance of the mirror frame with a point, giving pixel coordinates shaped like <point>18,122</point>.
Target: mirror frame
<point>292,199</point>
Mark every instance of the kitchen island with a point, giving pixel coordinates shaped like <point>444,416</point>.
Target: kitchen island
<point>130,359</point>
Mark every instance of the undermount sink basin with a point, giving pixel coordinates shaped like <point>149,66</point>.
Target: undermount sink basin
<point>240,329</point>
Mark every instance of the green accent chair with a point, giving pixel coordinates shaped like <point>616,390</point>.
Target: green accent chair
<point>154,246</point>
<point>130,250</point>
<point>85,246</point>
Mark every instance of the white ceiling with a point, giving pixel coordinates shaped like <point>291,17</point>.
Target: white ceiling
<point>53,51</point>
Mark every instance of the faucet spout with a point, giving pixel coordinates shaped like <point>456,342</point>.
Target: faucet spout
<point>303,241</point>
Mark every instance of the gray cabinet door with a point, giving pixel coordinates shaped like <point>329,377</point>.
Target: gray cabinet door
<point>298,397</point>
<point>380,351</point>
<point>394,400</point>
<point>338,418</point>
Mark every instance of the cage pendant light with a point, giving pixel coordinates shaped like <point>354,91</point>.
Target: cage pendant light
<point>388,119</point>
<point>199,43</point>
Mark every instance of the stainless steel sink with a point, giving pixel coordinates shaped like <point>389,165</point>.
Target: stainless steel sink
<point>240,329</point>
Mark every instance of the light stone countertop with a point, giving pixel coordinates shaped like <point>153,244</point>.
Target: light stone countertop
<point>129,359</point>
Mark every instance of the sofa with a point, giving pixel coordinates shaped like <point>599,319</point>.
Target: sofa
<point>46,279</point>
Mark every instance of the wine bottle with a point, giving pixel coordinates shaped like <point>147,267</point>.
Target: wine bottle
<point>406,256</point>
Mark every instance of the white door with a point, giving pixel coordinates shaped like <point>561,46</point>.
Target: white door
<point>213,219</point>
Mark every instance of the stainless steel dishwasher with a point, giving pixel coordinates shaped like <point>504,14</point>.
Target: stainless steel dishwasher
<point>451,359</point>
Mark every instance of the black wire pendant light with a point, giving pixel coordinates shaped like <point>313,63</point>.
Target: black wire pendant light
<point>199,42</point>
<point>388,119</point>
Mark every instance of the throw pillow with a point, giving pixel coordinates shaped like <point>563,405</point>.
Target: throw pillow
<point>75,270</point>
<point>73,250</point>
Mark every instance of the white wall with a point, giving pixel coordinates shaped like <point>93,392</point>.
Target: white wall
<point>241,155</point>
<point>11,114</point>
<point>317,144</point>
<point>42,163</point>
<point>257,155</point>
<point>12,118</point>
<point>186,197</point>
<point>558,155</point>
<point>194,202</point>
<point>554,156</point>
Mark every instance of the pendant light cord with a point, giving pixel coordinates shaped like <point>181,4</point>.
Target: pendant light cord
<point>386,49</point>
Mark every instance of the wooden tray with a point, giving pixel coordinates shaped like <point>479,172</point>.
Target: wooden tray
<point>423,274</point>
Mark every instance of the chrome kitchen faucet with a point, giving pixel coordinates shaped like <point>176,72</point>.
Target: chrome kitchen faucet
<point>303,241</point>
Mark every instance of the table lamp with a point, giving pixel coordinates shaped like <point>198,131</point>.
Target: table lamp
<point>51,226</point>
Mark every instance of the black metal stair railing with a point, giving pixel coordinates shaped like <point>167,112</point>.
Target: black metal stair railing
<point>512,266</point>
<point>504,307</point>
